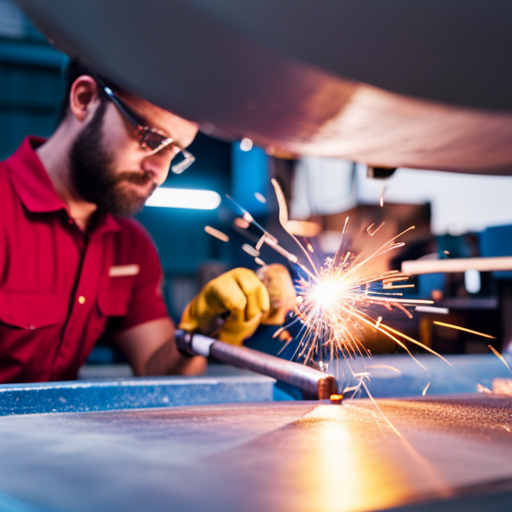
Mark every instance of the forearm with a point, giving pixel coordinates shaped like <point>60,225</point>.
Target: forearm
<point>151,350</point>
<point>167,360</point>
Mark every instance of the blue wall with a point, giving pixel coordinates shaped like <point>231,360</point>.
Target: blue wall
<point>250,175</point>
<point>30,91</point>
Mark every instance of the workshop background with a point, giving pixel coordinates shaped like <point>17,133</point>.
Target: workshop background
<point>455,215</point>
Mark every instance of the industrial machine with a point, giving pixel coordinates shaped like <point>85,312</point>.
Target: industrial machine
<point>422,85</point>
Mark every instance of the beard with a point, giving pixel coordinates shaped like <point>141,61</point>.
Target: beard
<point>94,177</point>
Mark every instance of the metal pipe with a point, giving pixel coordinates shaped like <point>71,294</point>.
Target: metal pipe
<point>313,382</point>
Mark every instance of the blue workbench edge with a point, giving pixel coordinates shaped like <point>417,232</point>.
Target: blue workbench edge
<point>132,393</point>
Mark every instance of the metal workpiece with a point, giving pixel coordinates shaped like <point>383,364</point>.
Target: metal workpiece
<point>314,383</point>
<point>193,344</point>
<point>442,454</point>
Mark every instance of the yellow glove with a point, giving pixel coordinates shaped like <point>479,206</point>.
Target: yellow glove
<point>283,298</point>
<point>238,292</point>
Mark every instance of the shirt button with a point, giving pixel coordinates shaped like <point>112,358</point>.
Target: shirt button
<point>81,299</point>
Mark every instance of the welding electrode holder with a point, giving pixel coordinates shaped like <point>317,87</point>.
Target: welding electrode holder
<point>184,342</point>
<point>312,382</point>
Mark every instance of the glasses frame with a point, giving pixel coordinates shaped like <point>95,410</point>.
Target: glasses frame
<point>151,139</point>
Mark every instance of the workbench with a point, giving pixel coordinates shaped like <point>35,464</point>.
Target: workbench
<point>225,443</point>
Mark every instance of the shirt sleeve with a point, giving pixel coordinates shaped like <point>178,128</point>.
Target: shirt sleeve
<point>146,302</point>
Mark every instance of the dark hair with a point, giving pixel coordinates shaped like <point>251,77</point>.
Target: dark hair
<point>74,69</point>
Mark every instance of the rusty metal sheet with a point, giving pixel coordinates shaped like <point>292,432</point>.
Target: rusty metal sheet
<point>401,84</point>
<point>300,456</point>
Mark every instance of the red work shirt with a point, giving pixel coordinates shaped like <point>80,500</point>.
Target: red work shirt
<point>60,286</point>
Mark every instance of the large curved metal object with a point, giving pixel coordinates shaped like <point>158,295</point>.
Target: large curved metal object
<point>397,83</point>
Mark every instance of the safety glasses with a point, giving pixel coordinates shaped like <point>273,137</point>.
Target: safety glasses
<point>151,139</point>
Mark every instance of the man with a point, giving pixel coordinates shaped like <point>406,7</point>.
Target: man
<point>72,266</point>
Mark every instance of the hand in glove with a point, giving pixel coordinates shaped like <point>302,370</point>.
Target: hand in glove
<point>238,292</point>
<point>283,298</point>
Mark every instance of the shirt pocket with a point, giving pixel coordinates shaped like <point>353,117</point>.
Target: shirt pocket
<point>114,300</point>
<point>31,310</point>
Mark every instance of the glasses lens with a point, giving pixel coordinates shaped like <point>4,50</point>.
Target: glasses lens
<point>151,139</point>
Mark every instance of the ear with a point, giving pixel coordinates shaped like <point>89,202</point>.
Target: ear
<point>83,97</point>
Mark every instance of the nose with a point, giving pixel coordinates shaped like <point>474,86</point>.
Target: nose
<point>158,165</point>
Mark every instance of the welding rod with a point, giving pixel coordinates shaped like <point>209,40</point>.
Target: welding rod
<point>418,267</point>
<point>313,382</point>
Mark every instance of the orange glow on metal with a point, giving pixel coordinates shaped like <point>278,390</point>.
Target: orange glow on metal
<point>502,386</point>
<point>483,389</point>
<point>364,481</point>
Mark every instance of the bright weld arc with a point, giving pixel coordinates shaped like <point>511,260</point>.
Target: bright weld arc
<point>332,326</point>
<point>331,323</point>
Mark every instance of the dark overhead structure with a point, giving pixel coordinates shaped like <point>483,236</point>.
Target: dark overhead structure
<point>392,84</point>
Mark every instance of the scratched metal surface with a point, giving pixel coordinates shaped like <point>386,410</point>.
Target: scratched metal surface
<point>293,456</point>
<point>133,393</point>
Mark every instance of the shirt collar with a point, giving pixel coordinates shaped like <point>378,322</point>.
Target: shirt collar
<point>106,223</point>
<point>31,180</point>
<point>35,188</point>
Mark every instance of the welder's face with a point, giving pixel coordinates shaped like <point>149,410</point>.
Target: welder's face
<point>110,168</point>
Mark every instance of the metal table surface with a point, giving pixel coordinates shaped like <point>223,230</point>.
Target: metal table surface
<point>297,456</point>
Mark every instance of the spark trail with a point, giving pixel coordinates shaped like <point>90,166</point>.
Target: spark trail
<point>335,304</point>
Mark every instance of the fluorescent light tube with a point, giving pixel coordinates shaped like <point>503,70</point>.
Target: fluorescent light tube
<point>184,198</point>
